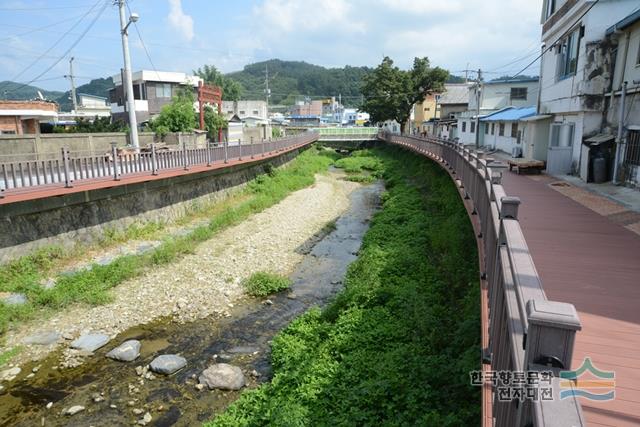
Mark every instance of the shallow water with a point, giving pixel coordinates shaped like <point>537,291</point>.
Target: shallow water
<point>242,339</point>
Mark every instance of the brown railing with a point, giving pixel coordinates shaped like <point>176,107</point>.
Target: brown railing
<point>527,333</point>
<point>72,167</point>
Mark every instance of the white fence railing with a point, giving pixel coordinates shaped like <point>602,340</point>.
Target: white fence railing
<point>527,333</point>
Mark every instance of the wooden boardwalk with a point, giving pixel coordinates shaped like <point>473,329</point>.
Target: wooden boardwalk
<point>586,259</point>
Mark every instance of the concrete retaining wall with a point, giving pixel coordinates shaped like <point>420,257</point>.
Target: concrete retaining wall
<point>17,148</point>
<point>82,218</point>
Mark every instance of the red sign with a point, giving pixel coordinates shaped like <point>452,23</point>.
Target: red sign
<point>210,95</point>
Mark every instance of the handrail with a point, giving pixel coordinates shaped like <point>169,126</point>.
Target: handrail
<point>71,167</point>
<point>527,332</point>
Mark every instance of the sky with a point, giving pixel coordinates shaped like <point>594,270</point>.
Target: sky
<point>39,36</point>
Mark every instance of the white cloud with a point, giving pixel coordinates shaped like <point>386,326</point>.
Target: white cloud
<point>180,21</point>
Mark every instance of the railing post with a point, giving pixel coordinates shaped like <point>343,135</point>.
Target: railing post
<point>114,156</point>
<point>226,151</point>
<point>263,143</point>
<point>154,160</point>
<point>184,156</point>
<point>510,206</point>
<point>65,163</point>
<point>240,148</point>
<point>208,154</point>
<point>251,147</point>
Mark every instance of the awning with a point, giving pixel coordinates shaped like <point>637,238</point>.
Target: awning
<point>600,138</point>
<point>536,118</point>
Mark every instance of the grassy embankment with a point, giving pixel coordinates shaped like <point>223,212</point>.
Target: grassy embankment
<point>396,345</point>
<point>93,286</point>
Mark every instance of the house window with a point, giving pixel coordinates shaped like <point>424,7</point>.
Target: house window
<point>486,128</point>
<point>229,111</point>
<point>551,8</point>
<point>514,130</point>
<point>256,112</point>
<point>464,126</point>
<point>242,112</point>
<point>518,93</point>
<point>427,108</point>
<point>493,128</point>
<point>501,129</point>
<point>562,134</point>
<point>163,90</point>
<point>473,127</point>
<point>568,55</point>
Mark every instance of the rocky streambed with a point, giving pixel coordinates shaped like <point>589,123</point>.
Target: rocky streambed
<point>183,373</point>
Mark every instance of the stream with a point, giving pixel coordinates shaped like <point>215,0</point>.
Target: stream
<point>114,394</point>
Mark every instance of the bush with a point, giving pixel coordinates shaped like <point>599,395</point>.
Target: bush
<point>262,284</point>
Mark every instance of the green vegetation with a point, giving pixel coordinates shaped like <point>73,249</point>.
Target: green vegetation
<point>396,345</point>
<point>8,355</point>
<point>261,284</point>
<point>94,125</point>
<point>390,93</point>
<point>177,116</point>
<point>93,286</point>
<point>231,89</point>
<point>362,166</point>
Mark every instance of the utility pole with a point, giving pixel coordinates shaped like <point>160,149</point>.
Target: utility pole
<point>127,84</point>
<point>267,91</point>
<point>478,97</point>
<point>74,99</point>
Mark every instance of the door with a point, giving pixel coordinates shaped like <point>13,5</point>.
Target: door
<point>560,148</point>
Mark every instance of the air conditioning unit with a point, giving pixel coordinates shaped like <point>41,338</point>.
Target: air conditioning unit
<point>516,152</point>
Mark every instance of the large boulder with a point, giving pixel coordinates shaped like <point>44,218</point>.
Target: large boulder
<point>223,376</point>
<point>167,364</point>
<point>125,352</point>
<point>42,338</point>
<point>90,342</point>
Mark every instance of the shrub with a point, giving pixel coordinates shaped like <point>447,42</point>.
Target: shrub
<point>261,284</point>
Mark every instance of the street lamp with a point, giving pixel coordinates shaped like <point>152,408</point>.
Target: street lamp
<point>128,81</point>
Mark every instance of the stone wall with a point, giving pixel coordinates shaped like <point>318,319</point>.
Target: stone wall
<point>82,218</point>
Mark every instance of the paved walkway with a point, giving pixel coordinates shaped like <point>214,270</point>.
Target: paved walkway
<point>587,253</point>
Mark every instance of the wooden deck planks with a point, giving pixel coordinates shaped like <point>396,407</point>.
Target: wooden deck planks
<point>586,259</point>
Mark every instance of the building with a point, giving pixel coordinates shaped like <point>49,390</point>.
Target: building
<point>309,108</point>
<point>425,112</point>
<point>503,129</point>
<point>152,90</point>
<point>626,68</point>
<point>489,97</point>
<point>576,68</point>
<point>452,102</point>
<point>244,109</point>
<point>24,117</point>
<point>92,106</point>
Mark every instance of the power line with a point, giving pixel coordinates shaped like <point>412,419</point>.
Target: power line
<point>29,9</point>
<point>74,44</point>
<point>35,61</point>
<point>144,46</point>
<point>34,30</point>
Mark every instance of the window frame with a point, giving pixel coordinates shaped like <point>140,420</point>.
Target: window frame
<point>514,130</point>
<point>516,96</point>
<point>493,128</point>
<point>161,90</point>
<point>464,126</point>
<point>472,128</point>
<point>568,65</point>
<point>501,127</point>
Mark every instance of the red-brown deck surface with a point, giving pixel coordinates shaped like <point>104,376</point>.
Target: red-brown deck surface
<point>585,259</point>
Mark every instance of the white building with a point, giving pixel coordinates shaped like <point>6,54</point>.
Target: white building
<point>243,109</point>
<point>503,130</point>
<point>152,90</point>
<point>490,97</point>
<point>575,75</point>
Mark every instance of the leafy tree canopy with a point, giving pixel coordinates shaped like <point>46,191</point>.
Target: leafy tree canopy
<point>179,116</point>
<point>213,122</point>
<point>390,92</point>
<point>95,125</point>
<point>231,89</point>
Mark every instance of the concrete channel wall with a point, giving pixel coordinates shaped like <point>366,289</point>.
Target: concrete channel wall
<point>84,217</point>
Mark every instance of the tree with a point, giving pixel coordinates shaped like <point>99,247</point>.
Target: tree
<point>231,89</point>
<point>390,92</point>
<point>213,121</point>
<point>179,116</point>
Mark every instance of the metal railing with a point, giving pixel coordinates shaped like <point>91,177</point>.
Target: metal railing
<point>527,332</point>
<point>73,167</point>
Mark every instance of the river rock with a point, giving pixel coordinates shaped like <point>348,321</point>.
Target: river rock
<point>145,420</point>
<point>10,374</point>
<point>13,298</point>
<point>90,342</point>
<point>223,376</point>
<point>42,338</point>
<point>73,410</point>
<point>167,364</point>
<point>125,352</point>
<point>48,284</point>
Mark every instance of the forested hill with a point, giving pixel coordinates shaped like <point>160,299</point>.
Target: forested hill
<point>291,80</point>
<point>13,90</point>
